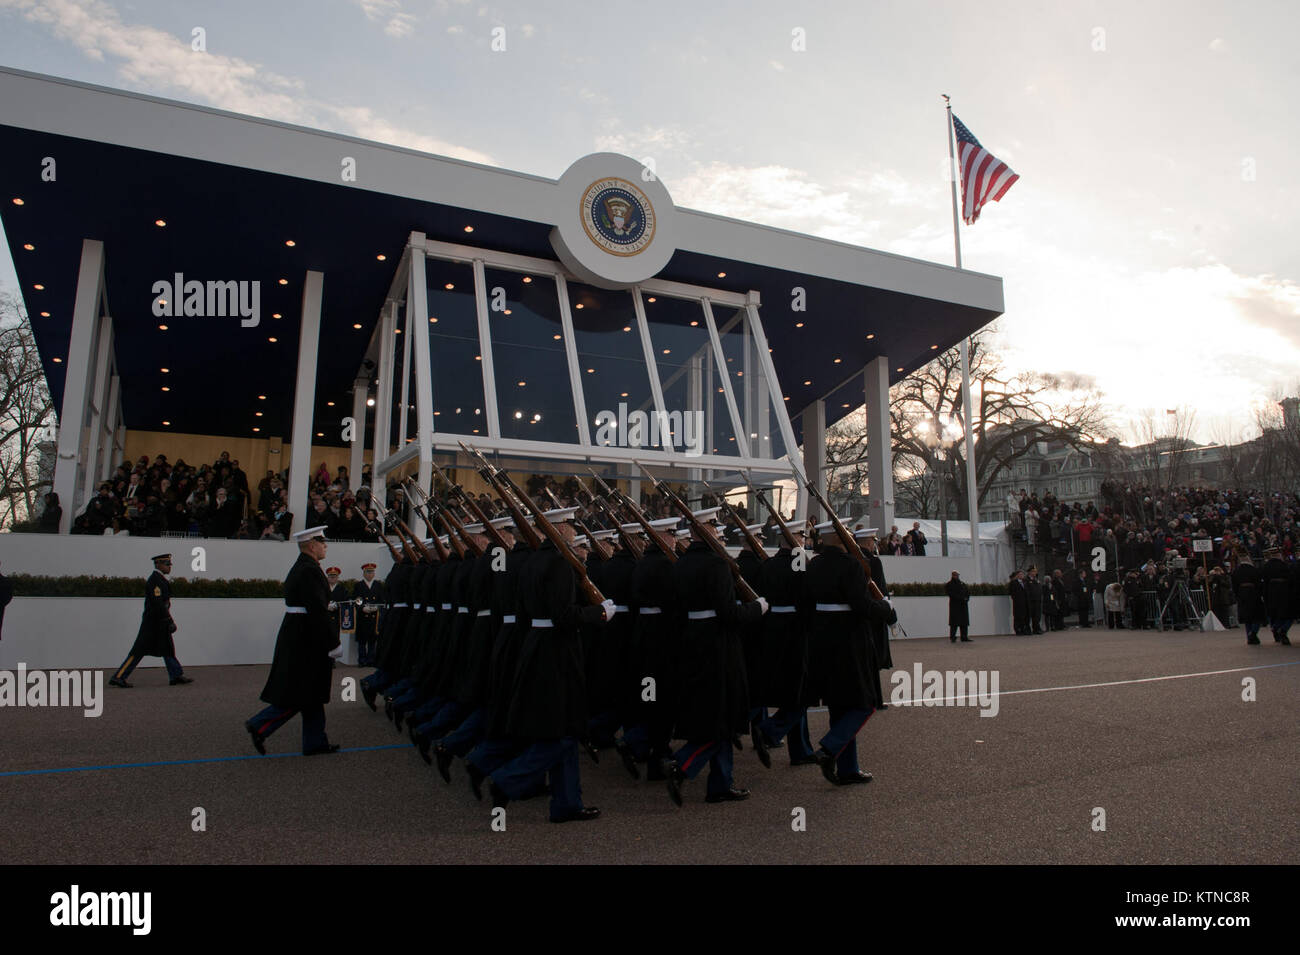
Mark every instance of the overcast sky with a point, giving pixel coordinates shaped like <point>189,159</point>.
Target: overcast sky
<point>1150,242</point>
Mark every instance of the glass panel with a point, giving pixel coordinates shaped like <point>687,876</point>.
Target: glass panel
<point>749,383</point>
<point>611,361</point>
<point>453,349</point>
<point>534,395</point>
<point>693,396</point>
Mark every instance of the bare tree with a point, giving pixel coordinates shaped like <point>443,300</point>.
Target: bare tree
<point>25,409</point>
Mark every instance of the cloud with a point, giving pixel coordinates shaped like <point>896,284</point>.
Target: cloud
<point>1217,44</point>
<point>158,62</point>
<point>397,23</point>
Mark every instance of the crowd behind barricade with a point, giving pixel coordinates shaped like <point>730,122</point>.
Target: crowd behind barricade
<point>1147,540</point>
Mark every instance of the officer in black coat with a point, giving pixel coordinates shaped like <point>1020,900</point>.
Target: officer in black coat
<point>751,568</point>
<point>1248,583</point>
<point>1019,603</point>
<point>547,706</point>
<point>1277,595</point>
<point>869,540</point>
<point>785,650</point>
<point>1034,591</point>
<point>606,644</point>
<point>397,610</point>
<point>338,597</point>
<point>958,608</point>
<point>713,698</point>
<point>369,613</point>
<point>6,595</point>
<point>301,670</point>
<point>154,639</point>
<point>1083,595</point>
<point>844,669</point>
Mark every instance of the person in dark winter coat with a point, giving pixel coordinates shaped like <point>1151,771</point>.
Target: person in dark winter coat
<point>1019,603</point>
<point>1247,582</point>
<point>154,639</point>
<point>1278,600</point>
<point>301,669</point>
<point>958,608</point>
<point>785,650</point>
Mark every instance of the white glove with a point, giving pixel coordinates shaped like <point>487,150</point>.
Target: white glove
<point>610,609</point>
<point>332,606</point>
<point>762,602</point>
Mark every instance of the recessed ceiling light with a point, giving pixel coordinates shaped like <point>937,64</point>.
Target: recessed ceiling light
<point>57,361</point>
<point>17,201</point>
<point>449,286</point>
<point>167,424</point>
<point>272,339</point>
<point>871,336</point>
<point>162,328</point>
<point>527,279</point>
<point>668,351</point>
<point>579,305</point>
<point>284,281</point>
<point>357,325</point>
<point>257,429</point>
<point>469,228</point>
<point>627,328</point>
<point>45,314</point>
<point>623,395</point>
<point>693,324</point>
<point>164,370</point>
<point>29,247</point>
<point>276,315</point>
<point>507,311</point>
<point>257,414</point>
<point>786,398</point>
<point>39,287</point>
<point>329,404</point>
<point>934,348</point>
<point>160,222</point>
<point>165,388</point>
<point>556,337</point>
<point>432,320</point>
<point>722,275</point>
<point>261,397</point>
<point>380,257</point>
<point>845,405</point>
<point>370,402</point>
<point>650,299</point>
<point>519,414</point>
<point>320,434</point>
<point>522,383</point>
<point>397,331</point>
<point>591,371</point>
<point>478,357</point>
<point>898,369</point>
<point>290,243</point>
<point>838,360</point>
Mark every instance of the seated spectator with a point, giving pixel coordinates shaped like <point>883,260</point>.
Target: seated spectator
<point>320,516</point>
<point>349,525</point>
<point>53,513</point>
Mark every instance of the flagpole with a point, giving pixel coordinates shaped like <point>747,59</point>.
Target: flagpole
<point>972,489</point>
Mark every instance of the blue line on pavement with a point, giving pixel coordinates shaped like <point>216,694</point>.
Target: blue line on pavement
<point>186,762</point>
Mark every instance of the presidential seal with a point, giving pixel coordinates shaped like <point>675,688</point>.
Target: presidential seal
<point>617,216</point>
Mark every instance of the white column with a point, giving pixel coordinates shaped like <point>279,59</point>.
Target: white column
<point>111,420</point>
<point>880,458</point>
<point>773,383</point>
<point>814,454</point>
<point>98,409</point>
<point>304,397</point>
<point>384,398</point>
<point>417,330</point>
<point>357,460</point>
<point>77,383</point>
<point>972,488</point>
<point>485,350</point>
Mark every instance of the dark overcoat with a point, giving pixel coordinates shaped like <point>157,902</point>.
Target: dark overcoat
<point>301,670</point>
<point>785,635</point>
<point>1277,589</point>
<point>958,603</point>
<point>154,638</point>
<point>844,669</point>
<point>505,648</point>
<point>1246,580</point>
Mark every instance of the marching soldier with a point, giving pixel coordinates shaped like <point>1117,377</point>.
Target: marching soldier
<point>870,543</point>
<point>844,667</point>
<point>1247,582</point>
<point>713,701</point>
<point>605,646</point>
<point>154,638</point>
<point>371,594</point>
<point>1277,595</point>
<point>398,609</point>
<point>301,670</point>
<point>751,568</point>
<point>785,652</point>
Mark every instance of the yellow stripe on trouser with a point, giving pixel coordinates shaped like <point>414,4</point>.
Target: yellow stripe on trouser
<point>118,674</point>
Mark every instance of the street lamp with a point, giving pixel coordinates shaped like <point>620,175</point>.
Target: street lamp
<point>939,437</point>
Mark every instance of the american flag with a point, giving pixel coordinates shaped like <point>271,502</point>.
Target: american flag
<point>984,177</point>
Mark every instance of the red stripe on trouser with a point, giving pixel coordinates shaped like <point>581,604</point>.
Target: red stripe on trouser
<point>855,734</point>
<point>282,719</point>
<point>692,758</point>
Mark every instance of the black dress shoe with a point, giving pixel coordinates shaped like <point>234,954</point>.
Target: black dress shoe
<point>760,745</point>
<point>1249,643</point>
<point>629,761</point>
<point>585,814</point>
<point>499,799</point>
<point>388,707</point>
<point>803,760</point>
<point>122,683</point>
<point>180,680</point>
<point>967,640</point>
<point>590,750</point>
<point>369,695</point>
<point>826,760</point>
<point>855,779</point>
<point>322,750</point>
<point>258,742</point>
<point>444,757</point>
<point>476,778</point>
<point>731,795</point>
<point>676,779</point>
<point>423,743</point>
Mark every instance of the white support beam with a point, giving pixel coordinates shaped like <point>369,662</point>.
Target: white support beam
<point>485,349</point>
<point>384,398</point>
<point>111,421</point>
<point>571,356</point>
<point>98,410</point>
<point>417,330</point>
<point>880,459</point>
<point>77,383</point>
<point>769,372</point>
<point>304,396</point>
<point>972,487</point>
<point>814,454</point>
<point>737,422</point>
<point>357,459</point>
<point>404,405</point>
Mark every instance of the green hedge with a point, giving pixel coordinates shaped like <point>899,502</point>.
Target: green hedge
<point>26,585</point>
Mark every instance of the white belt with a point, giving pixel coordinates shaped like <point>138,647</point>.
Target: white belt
<point>430,608</point>
<point>462,610</point>
<point>781,609</point>
<point>416,606</point>
<point>834,608</point>
<point>508,618</point>
<point>395,606</point>
<point>649,610</point>
<point>542,623</point>
<point>483,613</point>
<point>295,609</point>
<point>620,608</point>
<point>700,614</point>
<point>446,606</point>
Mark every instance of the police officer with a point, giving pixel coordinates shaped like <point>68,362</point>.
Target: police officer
<point>154,638</point>
<point>371,594</point>
<point>844,667</point>
<point>301,670</point>
<point>713,701</point>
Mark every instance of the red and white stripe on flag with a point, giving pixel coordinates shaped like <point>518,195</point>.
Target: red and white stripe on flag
<point>984,177</point>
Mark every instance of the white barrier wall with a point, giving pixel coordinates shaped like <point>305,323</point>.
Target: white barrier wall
<point>66,633</point>
<point>71,555</point>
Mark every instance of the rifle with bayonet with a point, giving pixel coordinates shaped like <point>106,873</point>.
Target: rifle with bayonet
<point>751,541</point>
<point>526,530</point>
<point>786,534</point>
<point>850,545</point>
<point>493,533</point>
<point>665,547</point>
<point>630,543</point>
<point>440,549</point>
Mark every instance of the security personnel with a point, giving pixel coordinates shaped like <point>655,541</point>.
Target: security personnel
<point>1247,582</point>
<point>958,609</point>
<point>1277,595</point>
<point>154,638</point>
<point>338,597</point>
<point>843,666</point>
<point>301,670</point>
<point>713,700</point>
<point>547,708</point>
<point>1019,603</point>
<point>371,594</point>
<point>785,651</point>
<point>1034,591</point>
